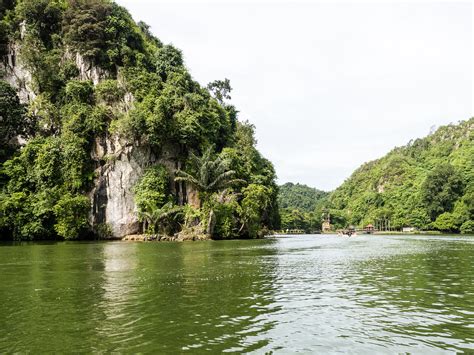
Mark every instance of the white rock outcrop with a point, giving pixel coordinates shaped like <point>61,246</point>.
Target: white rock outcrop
<point>17,75</point>
<point>120,166</point>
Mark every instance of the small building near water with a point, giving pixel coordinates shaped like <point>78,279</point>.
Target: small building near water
<point>408,229</point>
<point>326,226</point>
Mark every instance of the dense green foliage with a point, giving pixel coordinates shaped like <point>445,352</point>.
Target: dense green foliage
<point>12,119</point>
<point>146,96</point>
<point>153,188</point>
<point>234,202</point>
<point>427,184</point>
<point>298,204</point>
<point>211,175</point>
<point>300,197</point>
<point>45,182</point>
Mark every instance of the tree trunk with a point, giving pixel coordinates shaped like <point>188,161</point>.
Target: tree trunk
<point>211,223</point>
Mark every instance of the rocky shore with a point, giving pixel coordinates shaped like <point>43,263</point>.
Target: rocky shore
<point>189,234</point>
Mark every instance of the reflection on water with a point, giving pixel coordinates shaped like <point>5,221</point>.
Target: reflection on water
<point>307,293</point>
<point>182,296</point>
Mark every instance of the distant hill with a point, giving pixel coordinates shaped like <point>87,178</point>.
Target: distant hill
<point>298,196</point>
<point>298,204</point>
<point>427,184</point>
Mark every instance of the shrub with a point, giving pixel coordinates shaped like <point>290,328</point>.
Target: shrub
<point>445,222</point>
<point>153,189</point>
<point>71,216</point>
<point>109,91</point>
<point>80,91</point>
<point>12,120</point>
<point>257,199</point>
<point>467,227</point>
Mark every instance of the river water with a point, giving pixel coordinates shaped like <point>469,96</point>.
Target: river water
<point>325,294</point>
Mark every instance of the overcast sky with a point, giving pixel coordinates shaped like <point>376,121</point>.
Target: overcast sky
<point>328,85</point>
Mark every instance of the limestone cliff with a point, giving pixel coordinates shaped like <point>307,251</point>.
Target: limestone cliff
<point>119,163</point>
<point>107,114</point>
<point>112,197</point>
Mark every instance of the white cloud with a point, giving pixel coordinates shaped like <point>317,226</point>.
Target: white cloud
<point>329,85</point>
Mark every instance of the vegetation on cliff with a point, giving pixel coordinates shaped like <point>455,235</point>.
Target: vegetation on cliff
<point>142,93</point>
<point>298,204</point>
<point>427,184</point>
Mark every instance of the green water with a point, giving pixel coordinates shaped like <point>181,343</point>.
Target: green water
<point>308,293</point>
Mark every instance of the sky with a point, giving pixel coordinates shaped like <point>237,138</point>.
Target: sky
<point>328,85</point>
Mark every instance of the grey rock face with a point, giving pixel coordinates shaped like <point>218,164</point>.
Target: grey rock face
<point>88,71</point>
<point>17,75</point>
<point>120,166</point>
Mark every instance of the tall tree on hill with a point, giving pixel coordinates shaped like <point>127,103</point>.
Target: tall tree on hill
<point>442,187</point>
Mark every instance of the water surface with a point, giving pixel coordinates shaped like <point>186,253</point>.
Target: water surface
<point>300,293</point>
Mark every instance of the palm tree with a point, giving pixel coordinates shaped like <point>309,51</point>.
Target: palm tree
<point>212,175</point>
<point>159,218</point>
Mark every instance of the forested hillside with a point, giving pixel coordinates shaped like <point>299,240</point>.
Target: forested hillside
<point>299,196</point>
<point>427,184</point>
<point>297,204</point>
<point>104,132</point>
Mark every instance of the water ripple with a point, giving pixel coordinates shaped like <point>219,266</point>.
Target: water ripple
<point>305,293</point>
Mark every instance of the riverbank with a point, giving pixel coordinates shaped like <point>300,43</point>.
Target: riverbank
<point>382,233</point>
<point>164,238</point>
<point>427,233</point>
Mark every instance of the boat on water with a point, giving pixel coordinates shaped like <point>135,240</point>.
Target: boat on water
<point>350,232</point>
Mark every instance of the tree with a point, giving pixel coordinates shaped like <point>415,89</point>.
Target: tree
<point>43,17</point>
<point>153,189</point>
<point>12,118</point>
<point>80,91</point>
<point>257,199</point>
<point>43,196</point>
<point>84,27</point>
<point>220,89</point>
<point>102,31</point>
<point>294,219</point>
<point>445,222</point>
<point>441,188</point>
<point>210,175</point>
<point>159,219</point>
<point>145,28</point>
<point>467,227</point>
<point>6,7</point>
<point>71,216</point>
<point>169,59</point>
<point>109,91</point>
<point>298,196</point>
